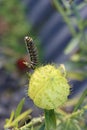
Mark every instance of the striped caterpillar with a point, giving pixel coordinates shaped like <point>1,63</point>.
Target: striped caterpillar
<point>32,52</point>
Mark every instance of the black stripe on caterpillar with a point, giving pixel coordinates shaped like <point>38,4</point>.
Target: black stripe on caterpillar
<point>32,50</point>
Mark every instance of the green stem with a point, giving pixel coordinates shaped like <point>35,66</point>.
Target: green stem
<point>79,19</point>
<point>67,124</point>
<point>50,120</point>
<point>33,122</point>
<point>75,114</point>
<point>80,100</point>
<point>67,20</point>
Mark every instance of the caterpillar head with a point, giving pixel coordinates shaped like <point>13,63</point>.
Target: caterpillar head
<point>28,39</point>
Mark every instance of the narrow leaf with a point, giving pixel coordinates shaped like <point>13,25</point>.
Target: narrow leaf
<point>8,121</point>
<point>20,117</point>
<point>73,44</point>
<point>84,94</point>
<point>19,108</point>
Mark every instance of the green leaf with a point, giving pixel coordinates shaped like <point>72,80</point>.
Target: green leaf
<point>19,108</point>
<point>69,125</point>
<point>32,128</point>
<point>20,117</point>
<point>42,126</point>
<point>84,94</point>
<point>74,42</point>
<point>8,121</point>
<point>12,116</point>
<point>50,120</point>
<point>76,125</point>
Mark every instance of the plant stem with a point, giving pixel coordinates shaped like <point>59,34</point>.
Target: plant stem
<point>33,122</point>
<point>79,19</point>
<point>50,120</point>
<point>67,20</point>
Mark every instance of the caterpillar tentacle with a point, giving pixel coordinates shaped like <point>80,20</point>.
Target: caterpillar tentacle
<point>32,52</point>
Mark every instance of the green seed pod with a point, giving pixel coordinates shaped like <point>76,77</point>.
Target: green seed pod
<point>48,87</point>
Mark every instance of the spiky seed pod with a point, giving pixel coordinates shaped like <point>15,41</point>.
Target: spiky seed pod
<point>32,52</point>
<point>48,88</point>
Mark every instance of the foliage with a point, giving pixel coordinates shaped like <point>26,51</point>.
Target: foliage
<point>72,121</point>
<point>13,24</point>
<point>75,120</point>
<point>13,27</point>
<point>16,116</point>
<point>76,49</point>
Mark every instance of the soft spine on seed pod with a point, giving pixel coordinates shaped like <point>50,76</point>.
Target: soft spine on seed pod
<point>48,87</point>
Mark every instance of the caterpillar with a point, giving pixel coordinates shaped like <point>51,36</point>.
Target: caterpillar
<point>32,50</point>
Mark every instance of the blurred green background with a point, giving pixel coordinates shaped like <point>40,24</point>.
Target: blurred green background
<point>59,31</point>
